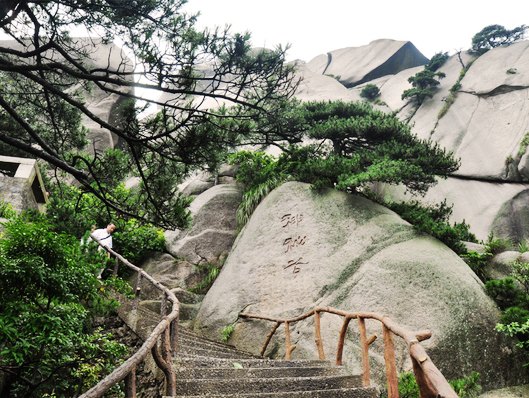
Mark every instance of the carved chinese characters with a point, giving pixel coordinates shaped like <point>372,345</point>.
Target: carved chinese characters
<point>293,243</point>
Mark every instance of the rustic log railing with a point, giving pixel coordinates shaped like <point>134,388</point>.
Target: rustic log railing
<point>161,342</point>
<point>431,382</point>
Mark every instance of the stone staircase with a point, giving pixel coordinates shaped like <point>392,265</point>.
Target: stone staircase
<point>209,369</point>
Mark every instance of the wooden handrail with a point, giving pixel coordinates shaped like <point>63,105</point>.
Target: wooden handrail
<point>431,382</point>
<point>165,333</point>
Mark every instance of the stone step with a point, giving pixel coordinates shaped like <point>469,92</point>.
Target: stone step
<point>330,393</point>
<point>191,341</point>
<point>201,362</point>
<point>212,353</point>
<point>252,386</point>
<point>234,373</point>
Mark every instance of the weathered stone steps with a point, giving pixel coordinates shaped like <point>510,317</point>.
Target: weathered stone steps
<point>205,368</point>
<point>329,393</point>
<point>201,361</point>
<point>275,372</point>
<point>264,385</point>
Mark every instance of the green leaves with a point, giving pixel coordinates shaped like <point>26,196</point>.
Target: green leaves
<point>348,146</point>
<point>496,35</point>
<point>48,292</point>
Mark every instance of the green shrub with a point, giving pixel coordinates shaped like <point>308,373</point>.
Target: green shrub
<point>408,387</point>
<point>48,295</point>
<point>370,92</point>
<point>258,173</point>
<point>504,292</point>
<point>209,273</point>
<point>497,245</point>
<point>520,272</point>
<point>523,246</point>
<point>466,387</point>
<point>515,314</point>
<point>437,61</point>
<point>134,240</point>
<point>226,332</point>
<point>517,330</point>
<point>6,210</point>
<point>477,262</point>
<point>433,220</point>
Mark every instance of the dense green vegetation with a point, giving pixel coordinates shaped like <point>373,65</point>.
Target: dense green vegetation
<point>76,212</point>
<point>48,297</point>
<point>434,220</point>
<point>511,293</point>
<point>48,291</point>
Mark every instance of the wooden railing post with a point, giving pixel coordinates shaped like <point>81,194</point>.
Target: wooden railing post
<point>137,291</point>
<point>116,268</point>
<point>391,366</point>
<point>165,334</point>
<point>341,341</point>
<point>431,382</point>
<point>130,384</point>
<point>268,338</point>
<point>288,342</point>
<point>171,379</point>
<point>174,336</point>
<point>366,370</point>
<point>317,334</point>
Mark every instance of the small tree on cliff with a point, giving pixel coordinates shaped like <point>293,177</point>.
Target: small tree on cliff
<point>44,74</point>
<point>494,36</point>
<point>425,82</point>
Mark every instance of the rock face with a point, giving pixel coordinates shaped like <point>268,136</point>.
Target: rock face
<point>214,226</point>
<point>301,249</point>
<point>486,125</point>
<point>355,65</point>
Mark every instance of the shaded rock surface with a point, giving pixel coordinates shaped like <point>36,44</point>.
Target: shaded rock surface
<point>301,249</point>
<point>213,228</point>
<point>356,65</point>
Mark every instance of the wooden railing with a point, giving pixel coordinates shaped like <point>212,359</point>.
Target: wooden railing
<point>431,382</point>
<point>161,342</point>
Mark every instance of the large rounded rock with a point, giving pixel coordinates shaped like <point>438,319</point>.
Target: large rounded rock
<point>169,271</point>
<point>214,226</point>
<point>301,249</point>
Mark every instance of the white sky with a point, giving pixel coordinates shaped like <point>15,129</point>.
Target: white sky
<point>313,27</point>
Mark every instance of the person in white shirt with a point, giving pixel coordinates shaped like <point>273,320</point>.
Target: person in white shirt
<point>104,236</point>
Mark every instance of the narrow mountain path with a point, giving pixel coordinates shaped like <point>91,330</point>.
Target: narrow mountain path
<point>206,368</point>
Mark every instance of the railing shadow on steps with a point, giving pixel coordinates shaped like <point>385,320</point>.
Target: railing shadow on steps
<point>431,382</point>
<point>161,342</point>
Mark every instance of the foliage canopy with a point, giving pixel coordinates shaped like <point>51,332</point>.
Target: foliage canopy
<point>48,295</point>
<point>45,74</point>
<point>494,36</point>
<point>343,145</point>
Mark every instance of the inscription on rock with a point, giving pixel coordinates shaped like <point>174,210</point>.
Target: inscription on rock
<point>293,244</point>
